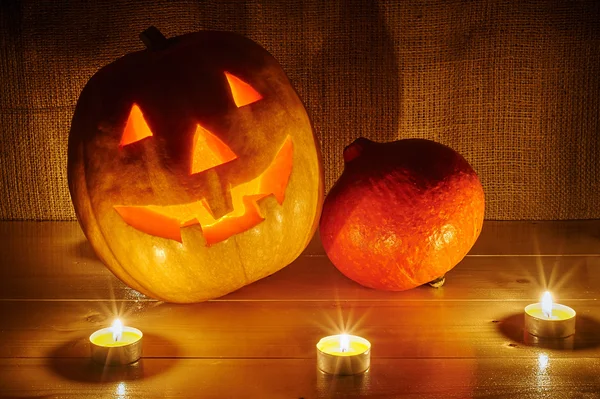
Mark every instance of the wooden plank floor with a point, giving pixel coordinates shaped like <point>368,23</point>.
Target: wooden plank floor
<point>463,340</point>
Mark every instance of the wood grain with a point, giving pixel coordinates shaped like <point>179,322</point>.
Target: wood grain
<point>533,377</point>
<point>53,261</point>
<point>417,329</point>
<point>463,340</point>
<point>526,238</point>
<point>315,278</point>
<point>55,240</point>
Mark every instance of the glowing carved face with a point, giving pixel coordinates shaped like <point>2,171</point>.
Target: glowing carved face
<point>209,151</point>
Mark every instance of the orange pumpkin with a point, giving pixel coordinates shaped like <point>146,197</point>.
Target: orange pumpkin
<point>193,167</point>
<point>402,214</point>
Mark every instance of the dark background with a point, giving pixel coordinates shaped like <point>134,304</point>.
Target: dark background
<point>514,86</point>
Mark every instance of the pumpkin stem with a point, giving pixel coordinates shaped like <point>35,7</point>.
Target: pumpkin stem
<point>353,150</point>
<point>438,282</point>
<point>153,39</point>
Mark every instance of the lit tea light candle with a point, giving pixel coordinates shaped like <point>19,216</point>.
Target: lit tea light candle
<point>116,345</point>
<point>343,354</point>
<point>548,319</point>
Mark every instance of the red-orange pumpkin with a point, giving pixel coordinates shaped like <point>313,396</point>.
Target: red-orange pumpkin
<point>192,166</point>
<point>402,214</point>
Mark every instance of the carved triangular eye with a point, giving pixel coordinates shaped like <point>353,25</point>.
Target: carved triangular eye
<point>242,92</point>
<point>209,151</point>
<point>136,127</point>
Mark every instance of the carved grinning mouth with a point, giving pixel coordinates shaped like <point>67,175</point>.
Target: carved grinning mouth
<point>167,221</point>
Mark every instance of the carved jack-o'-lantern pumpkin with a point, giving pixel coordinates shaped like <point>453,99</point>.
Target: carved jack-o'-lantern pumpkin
<point>192,166</point>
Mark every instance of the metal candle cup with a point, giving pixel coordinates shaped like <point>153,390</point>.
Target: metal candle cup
<point>116,349</point>
<point>549,320</point>
<point>343,354</point>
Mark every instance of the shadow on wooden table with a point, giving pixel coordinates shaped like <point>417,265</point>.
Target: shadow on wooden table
<point>83,369</point>
<point>587,334</point>
<point>83,249</point>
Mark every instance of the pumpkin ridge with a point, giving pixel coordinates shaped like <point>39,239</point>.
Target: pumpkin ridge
<point>130,280</point>
<point>138,278</point>
<point>242,263</point>
<point>406,274</point>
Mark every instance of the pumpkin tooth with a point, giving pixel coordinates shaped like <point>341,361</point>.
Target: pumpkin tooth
<point>217,195</point>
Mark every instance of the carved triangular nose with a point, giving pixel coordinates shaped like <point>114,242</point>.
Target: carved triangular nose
<point>209,151</point>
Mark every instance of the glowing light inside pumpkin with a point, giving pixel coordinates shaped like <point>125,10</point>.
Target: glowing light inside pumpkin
<point>136,127</point>
<point>117,330</point>
<point>167,221</point>
<point>344,343</point>
<point>242,92</point>
<point>209,151</point>
<point>547,304</point>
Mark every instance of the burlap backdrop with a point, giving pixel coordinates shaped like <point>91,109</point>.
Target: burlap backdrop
<point>512,85</point>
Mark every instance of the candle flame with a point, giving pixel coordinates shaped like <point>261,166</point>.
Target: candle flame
<point>547,304</point>
<point>344,343</point>
<point>117,330</point>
